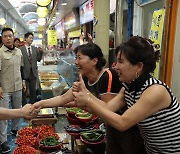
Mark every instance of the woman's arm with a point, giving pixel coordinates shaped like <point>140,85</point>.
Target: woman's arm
<point>55,101</point>
<point>152,100</point>
<point>113,102</point>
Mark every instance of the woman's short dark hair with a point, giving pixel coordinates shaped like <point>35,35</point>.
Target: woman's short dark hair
<point>138,49</point>
<point>92,50</point>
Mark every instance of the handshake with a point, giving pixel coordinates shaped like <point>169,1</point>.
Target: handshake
<point>78,95</point>
<point>29,111</point>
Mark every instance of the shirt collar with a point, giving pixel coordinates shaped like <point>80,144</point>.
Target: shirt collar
<point>137,83</point>
<point>8,50</point>
<point>28,46</point>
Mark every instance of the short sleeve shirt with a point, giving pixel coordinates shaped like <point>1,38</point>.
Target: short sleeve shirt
<point>10,64</point>
<point>100,87</point>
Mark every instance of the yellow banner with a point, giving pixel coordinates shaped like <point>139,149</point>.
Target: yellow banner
<point>156,32</point>
<point>76,33</point>
<point>52,40</point>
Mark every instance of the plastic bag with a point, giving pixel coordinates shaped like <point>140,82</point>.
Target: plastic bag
<point>67,69</point>
<point>58,86</point>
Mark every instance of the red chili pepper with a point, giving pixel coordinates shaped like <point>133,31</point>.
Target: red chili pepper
<point>24,150</point>
<point>26,131</point>
<point>26,140</point>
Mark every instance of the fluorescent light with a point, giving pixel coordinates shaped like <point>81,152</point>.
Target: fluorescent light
<point>64,3</point>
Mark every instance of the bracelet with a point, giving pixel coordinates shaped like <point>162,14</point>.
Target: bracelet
<point>87,100</point>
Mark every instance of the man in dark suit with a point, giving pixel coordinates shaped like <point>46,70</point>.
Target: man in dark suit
<point>31,55</point>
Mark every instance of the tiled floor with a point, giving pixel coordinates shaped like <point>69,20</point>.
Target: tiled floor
<point>11,138</point>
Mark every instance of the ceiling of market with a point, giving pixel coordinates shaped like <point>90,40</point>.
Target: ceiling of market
<point>26,11</point>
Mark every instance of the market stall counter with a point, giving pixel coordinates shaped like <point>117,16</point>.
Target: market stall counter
<point>47,78</point>
<point>46,116</point>
<point>85,132</point>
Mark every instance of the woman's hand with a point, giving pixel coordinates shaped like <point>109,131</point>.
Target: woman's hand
<point>70,104</point>
<point>75,87</point>
<point>82,95</point>
<point>79,85</point>
<point>38,105</point>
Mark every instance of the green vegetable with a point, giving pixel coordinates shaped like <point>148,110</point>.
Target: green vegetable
<point>93,135</point>
<point>73,109</point>
<point>84,115</point>
<point>49,141</point>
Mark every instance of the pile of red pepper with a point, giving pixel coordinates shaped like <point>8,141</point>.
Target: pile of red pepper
<point>24,149</point>
<point>37,130</point>
<point>28,138</point>
<point>27,131</point>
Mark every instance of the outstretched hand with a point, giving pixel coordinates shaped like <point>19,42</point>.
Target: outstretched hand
<point>29,111</point>
<point>37,105</point>
<point>40,49</point>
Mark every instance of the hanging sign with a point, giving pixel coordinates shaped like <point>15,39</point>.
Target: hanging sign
<point>60,30</point>
<point>75,33</point>
<point>70,21</point>
<point>52,40</point>
<point>2,21</point>
<point>156,32</point>
<point>86,11</point>
<point>43,2</point>
<point>42,12</point>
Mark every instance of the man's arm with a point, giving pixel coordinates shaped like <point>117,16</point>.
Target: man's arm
<point>6,114</point>
<point>39,54</point>
<point>1,91</point>
<point>27,112</point>
<point>23,80</point>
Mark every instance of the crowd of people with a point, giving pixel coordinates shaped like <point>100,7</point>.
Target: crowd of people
<point>140,112</point>
<point>18,71</point>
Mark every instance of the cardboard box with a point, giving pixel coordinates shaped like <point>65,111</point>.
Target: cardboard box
<point>80,146</point>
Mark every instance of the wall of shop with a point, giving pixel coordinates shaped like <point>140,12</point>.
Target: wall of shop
<point>143,16</point>
<point>176,61</point>
<point>11,21</point>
